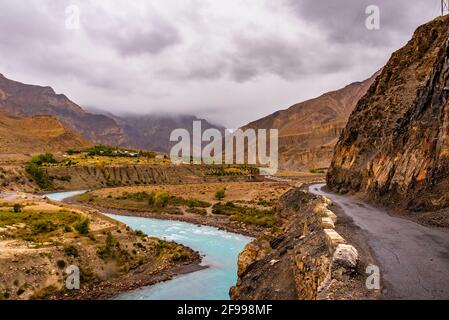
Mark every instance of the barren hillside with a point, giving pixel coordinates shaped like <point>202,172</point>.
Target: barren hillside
<point>36,134</point>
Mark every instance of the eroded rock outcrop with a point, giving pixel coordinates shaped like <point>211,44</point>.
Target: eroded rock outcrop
<point>92,177</point>
<point>395,147</point>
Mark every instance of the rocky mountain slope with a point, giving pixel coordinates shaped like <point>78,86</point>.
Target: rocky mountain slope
<point>142,132</point>
<point>36,134</point>
<point>395,147</point>
<point>28,100</point>
<point>309,130</point>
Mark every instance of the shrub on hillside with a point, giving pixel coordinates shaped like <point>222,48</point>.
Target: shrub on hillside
<point>71,251</point>
<point>109,248</point>
<point>72,152</point>
<point>44,158</point>
<point>83,226</point>
<point>39,175</point>
<point>220,194</point>
<point>43,227</point>
<point>161,199</point>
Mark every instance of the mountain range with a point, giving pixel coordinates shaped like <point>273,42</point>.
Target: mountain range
<point>308,130</point>
<point>148,132</point>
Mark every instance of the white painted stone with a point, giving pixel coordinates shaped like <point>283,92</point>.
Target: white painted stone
<point>327,201</point>
<point>331,215</point>
<point>319,208</point>
<point>333,239</point>
<point>273,262</point>
<point>327,223</point>
<point>345,256</point>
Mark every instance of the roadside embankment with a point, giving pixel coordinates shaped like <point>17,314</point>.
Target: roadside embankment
<point>306,259</point>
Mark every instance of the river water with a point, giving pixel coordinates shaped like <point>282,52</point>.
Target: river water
<point>220,250</point>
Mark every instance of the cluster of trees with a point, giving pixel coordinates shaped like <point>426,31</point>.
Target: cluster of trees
<point>33,168</point>
<point>233,171</point>
<point>108,151</point>
<point>162,199</point>
<point>102,150</point>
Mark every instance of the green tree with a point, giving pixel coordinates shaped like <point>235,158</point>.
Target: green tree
<point>83,226</point>
<point>220,194</point>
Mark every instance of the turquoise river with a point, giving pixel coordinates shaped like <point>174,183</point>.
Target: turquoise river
<point>220,250</point>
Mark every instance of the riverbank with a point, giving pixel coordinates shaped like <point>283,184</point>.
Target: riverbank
<point>138,278</point>
<point>217,264</point>
<point>40,238</point>
<point>219,250</point>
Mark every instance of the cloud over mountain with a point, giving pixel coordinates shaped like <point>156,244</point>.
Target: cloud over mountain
<point>250,57</point>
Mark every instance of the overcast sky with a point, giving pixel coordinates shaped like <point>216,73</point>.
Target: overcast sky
<point>230,61</point>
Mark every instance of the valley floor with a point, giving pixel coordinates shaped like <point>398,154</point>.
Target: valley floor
<point>36,246</point>
<point>35,250</point>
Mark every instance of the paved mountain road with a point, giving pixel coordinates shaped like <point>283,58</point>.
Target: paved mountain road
<point>414,259</point>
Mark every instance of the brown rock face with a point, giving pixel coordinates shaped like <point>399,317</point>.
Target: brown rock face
<point>253,252</point>
<point>309,130</point>
<point>395,147</point>
<point>94,177</point>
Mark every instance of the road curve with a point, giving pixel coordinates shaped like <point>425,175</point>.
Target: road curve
<point>414,259</point>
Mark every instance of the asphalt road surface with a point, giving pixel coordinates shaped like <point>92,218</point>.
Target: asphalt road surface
<point>414,259</point>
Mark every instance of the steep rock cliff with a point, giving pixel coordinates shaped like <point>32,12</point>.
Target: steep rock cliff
<point>395,147</point>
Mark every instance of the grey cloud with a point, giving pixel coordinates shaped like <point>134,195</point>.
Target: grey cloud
<point>265,54</point>
<point>33,36</point>
<point>25,25</point>
<point>242,72</point>
<point>196,70</point>
<point>68,65</point>
<point>251,56</point>
<point>206,72</point>
<point>344,20</point>
<point>151,41</point>
<point>151,35</point>
<point>197,58</point>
